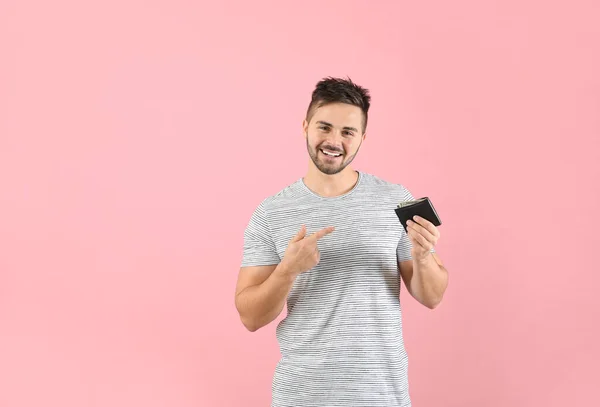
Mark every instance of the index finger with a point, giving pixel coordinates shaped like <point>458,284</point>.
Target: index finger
<point>427,225</point>
<point>319,234</point>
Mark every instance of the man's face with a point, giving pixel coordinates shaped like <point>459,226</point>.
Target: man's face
<point>333,136</point>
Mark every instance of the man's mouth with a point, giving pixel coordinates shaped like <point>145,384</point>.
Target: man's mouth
<point>330,153</point>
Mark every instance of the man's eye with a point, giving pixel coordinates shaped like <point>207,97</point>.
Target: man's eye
<point>348,133</point>
<point>323,128</point>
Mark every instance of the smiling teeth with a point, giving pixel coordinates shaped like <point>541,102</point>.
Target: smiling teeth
<point>331,154</point>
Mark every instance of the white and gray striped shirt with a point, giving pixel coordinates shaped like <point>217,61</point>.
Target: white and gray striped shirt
<point>341,342</point>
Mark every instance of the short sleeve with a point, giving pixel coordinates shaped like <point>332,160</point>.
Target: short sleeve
<point>259,248</point>
<point>405,245</point>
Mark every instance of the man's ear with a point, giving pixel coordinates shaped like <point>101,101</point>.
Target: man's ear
<point>305,128</point>
<point>364,136</point>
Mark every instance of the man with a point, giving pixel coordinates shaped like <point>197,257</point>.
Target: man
<point>332,247</point>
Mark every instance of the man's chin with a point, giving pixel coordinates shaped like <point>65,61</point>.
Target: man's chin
<point>327,165</point>
<point>330,169</point>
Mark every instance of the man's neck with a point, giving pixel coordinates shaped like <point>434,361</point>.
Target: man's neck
<point>330,185</point>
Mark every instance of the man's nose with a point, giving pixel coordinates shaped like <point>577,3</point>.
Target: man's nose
<point>335,136</point>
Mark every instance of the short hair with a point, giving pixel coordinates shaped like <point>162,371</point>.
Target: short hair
<point>337,90</point>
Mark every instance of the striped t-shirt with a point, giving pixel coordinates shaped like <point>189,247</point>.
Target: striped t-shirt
<point>341,342</point>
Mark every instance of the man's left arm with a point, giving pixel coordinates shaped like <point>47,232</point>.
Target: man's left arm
<point>425,276</point>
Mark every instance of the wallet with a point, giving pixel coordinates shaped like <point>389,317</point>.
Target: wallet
<point>419,207</point>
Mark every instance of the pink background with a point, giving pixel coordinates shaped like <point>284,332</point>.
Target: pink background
<point>137,137</point>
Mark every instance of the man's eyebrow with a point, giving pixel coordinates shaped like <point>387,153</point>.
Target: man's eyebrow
<point>331,125</point>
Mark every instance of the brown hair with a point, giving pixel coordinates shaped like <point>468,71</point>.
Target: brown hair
<point>338,90</point>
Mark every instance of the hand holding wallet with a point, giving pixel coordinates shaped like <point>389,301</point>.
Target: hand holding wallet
<point>419,207</point>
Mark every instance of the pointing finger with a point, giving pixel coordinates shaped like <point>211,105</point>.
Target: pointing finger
<point>300,235</point>
<point>325,231</point>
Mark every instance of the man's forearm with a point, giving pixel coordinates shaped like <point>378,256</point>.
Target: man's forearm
<point>260,304</point>
<point>429,281</point>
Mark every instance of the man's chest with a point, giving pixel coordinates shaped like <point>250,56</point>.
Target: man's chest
<point>366,232</point>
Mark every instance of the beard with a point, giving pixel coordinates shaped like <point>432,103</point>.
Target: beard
<point>329,166</point>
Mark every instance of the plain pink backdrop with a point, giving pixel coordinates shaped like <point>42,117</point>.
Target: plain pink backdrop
<point>137,137</point>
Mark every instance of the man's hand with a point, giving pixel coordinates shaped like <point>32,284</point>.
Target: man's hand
<point>302,253</point>
<point>423,235</point>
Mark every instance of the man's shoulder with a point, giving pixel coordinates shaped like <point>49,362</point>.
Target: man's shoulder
<point>282,196</point>
<point>382,184</point>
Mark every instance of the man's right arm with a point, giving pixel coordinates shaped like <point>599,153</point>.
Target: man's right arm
<point>261,293</point>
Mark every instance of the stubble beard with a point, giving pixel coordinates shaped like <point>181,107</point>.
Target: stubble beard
<point>324,167</point>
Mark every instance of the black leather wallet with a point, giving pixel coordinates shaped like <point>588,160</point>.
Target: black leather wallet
<point>420,207</point>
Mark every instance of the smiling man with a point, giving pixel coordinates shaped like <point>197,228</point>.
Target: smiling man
<point>330,246</point>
